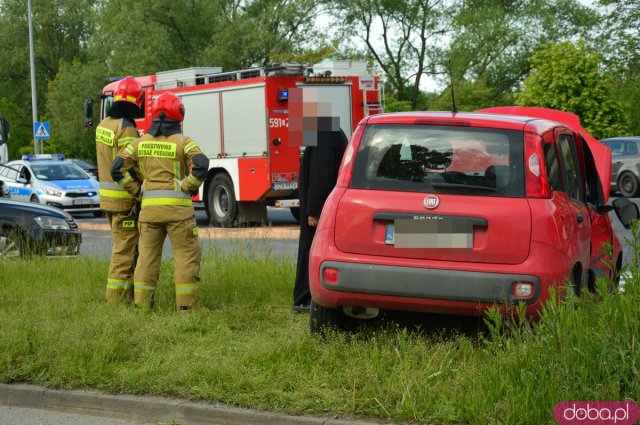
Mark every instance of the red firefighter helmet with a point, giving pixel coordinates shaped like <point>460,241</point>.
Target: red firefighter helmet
<point>170,105</point>
<point>128,90</point>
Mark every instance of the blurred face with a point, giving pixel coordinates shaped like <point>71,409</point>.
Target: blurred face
<point>308,116</point>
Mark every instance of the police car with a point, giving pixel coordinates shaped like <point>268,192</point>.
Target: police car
<point>50,180</point>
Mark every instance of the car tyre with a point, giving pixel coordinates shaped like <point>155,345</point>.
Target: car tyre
<point>34,199</point>
<point>322,319</point>
<point>221,201</point>
<point>628,185</point>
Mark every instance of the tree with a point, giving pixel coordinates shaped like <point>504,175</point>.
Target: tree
<point>568,77</point>
<point>403,36</point>
<point>61,29</point>
<point>493,39</point>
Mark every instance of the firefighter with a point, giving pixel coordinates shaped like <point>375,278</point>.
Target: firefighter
<point>113,134</point>
<point>173,168</point>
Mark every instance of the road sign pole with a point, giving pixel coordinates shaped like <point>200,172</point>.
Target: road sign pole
<point>34,98</point>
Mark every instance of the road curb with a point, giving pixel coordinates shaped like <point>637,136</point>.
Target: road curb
<point>150,408</point>
<point>262,232</point>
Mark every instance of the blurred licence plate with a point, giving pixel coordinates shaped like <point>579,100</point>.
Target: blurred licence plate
<point>440,233</point>
<point>285,186</point>
<point>82,202</point>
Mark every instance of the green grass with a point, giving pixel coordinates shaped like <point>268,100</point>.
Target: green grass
<point>249,349</point>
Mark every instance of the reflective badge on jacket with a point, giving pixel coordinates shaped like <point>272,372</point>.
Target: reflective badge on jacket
<point>156,149</point>
<point>128,224</point>
<point>195,231</point>
<point>104,135</point>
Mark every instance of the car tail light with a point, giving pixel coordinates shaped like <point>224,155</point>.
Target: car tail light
<point>330,275</point>
<point>523,290</point>
<point>346,168</point>
<point>536,183</point>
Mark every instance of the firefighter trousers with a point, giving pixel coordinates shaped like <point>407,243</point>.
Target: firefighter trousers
<point>124,231</point>
<point>183,236</point>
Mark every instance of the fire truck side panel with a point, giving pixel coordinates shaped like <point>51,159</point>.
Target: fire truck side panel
<point>244,121</point>
<point>283,157</point>
<point>202,121</point>
<point>254,178</point>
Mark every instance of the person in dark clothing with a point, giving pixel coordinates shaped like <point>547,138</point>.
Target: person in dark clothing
<point>325,145</point>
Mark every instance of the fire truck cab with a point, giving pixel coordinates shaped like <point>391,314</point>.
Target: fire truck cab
<point>240,121</point>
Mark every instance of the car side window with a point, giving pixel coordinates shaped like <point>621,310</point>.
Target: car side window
<point>11,173</point>
<point>553,166</point>
<point>631,148</point>
<point>571,169</point>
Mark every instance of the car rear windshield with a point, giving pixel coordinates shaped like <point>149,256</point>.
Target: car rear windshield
<point>59,172</point>
<point>440,159</point>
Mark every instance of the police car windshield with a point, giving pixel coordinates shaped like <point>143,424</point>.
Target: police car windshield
<point>59,172</point>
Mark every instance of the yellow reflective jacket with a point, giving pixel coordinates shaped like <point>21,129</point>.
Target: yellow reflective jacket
<point>113,135</point>
<point>170,176</point>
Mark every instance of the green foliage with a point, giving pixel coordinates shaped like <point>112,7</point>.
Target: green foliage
<point>66,95</point>
<point>470,96</point>
<point>568,77</point>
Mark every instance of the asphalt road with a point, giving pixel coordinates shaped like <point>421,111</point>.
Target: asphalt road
<point>279,239</point>
<point>10,415</point>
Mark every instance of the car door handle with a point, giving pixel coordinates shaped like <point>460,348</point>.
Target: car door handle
<point>580,218</point>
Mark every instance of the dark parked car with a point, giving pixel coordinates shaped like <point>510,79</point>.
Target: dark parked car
<point>625,165</point>
<point>86,166</point>
<point>32,229</point>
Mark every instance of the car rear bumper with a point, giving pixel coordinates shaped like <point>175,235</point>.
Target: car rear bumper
<point>437,284</point>
<point>445,287</point>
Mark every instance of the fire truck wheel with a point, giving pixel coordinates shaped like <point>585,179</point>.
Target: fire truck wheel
<point>221,200</point>
<point>295,212</point>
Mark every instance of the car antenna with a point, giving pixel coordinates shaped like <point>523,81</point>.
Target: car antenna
<point>453,94</point>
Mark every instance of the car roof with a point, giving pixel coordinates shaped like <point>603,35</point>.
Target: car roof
<point>475,119</point>
<point>622,139</point>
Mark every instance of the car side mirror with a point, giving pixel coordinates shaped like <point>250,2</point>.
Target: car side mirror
<point>626,211</point>
<point>22,180</point>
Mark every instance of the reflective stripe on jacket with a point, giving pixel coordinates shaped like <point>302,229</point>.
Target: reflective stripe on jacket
<point>164,162</point>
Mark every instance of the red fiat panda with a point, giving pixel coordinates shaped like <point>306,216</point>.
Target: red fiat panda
<point>455,212</point>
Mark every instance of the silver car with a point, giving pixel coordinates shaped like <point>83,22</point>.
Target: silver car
<point>625,167</point>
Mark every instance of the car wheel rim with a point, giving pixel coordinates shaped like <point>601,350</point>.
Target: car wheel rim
<point>627,184</point>
<point>8,248</point>
<point>221,201</point>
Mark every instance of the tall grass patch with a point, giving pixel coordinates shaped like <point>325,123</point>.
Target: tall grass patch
<point>246,347</point>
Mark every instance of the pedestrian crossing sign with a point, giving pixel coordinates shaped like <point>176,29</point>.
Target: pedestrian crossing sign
<point>41,130</point>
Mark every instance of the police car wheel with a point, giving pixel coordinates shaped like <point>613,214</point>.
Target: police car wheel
<point>34,199</point>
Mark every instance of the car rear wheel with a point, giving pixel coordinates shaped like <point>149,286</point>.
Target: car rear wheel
<point>322,319</point>
<point>9,246</point>
<point>628,185</point>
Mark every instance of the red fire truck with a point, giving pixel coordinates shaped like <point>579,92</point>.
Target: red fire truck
<point>240,121</point>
